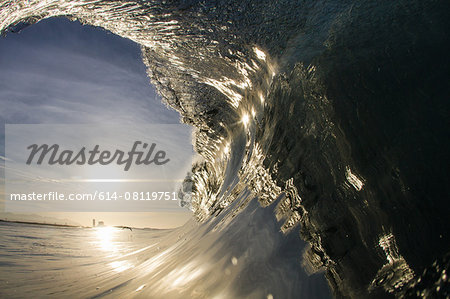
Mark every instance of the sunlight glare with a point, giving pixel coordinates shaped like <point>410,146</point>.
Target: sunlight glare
<point>245,119</point>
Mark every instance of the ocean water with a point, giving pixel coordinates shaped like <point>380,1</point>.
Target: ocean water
<point>324,129</point>
<point>194,261</point>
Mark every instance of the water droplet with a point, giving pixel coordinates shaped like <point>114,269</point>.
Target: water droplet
<point>234,261</point>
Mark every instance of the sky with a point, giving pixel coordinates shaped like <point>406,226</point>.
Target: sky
<point>60,72</point>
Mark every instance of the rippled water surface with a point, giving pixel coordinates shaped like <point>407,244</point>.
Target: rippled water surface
<point>44,261</point>
<point>324,131</point>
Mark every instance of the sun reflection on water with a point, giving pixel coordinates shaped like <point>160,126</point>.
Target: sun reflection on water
<point>105,238</point>
<point>120,266</point>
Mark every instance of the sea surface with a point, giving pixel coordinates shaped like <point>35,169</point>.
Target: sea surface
<point>194,261</point>
<point>324,132</point>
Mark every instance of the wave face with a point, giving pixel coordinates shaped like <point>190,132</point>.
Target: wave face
<point>333,113</point>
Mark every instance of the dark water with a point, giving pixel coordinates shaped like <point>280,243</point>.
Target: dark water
<point>332,113</point>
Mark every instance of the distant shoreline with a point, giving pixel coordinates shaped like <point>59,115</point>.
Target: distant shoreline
<point>39,223</point>
<point>80,226</point>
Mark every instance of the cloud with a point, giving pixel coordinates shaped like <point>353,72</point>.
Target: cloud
<point>98,79</point>
<point>59,72</point>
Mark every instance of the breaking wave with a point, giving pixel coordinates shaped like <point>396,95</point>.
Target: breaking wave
<point>331,115</point>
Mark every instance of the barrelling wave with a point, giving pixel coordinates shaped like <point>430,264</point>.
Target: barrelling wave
<point>333,112</point>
